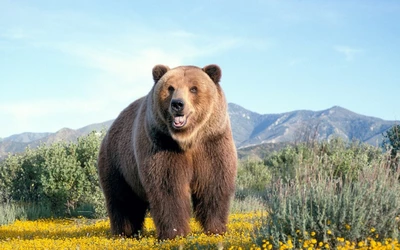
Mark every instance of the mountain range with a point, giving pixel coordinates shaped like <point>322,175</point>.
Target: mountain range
<point>249,129</point>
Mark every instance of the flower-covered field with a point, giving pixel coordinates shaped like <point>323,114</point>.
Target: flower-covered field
<point>94,234</point>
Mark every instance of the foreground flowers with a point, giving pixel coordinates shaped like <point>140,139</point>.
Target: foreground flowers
<point>94,234</point>
<point>89,234</point>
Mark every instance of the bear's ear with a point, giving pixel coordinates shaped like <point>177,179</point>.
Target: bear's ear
<point>214,72</point>
<point>158,71</point>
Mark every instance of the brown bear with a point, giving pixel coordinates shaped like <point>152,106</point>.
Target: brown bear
<point>170,151</point>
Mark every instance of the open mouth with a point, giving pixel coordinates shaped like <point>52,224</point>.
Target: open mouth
<point>179,121</point>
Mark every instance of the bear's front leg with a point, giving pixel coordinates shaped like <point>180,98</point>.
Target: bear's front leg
<point>213,187</point>
<point>168,192</point>
<point>211,209</point>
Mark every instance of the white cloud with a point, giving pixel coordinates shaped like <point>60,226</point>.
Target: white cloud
<point>48,115</point>
<point>125,71</point>
<point>349,52</point>
<point>121,53</point>
<point>122,74</point>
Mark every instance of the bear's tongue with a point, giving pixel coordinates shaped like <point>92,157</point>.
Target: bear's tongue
<point>179,121</point>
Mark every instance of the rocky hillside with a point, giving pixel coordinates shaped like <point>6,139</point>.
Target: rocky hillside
<point>251,128</point>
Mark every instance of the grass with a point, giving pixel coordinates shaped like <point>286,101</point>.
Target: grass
<point>8,212</point>
<point>95,234</point>
<point>11,211</point>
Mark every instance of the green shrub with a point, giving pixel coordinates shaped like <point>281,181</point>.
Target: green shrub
<point>391,143</point>
<point>252,177</point>
<point>282,163</point>
<point>62,178</point>
<point>343,159</point>
<point>365,205</point>
<point>56,180</point>
<point>8,172</point>
<point>246,204</point>
<point>87,153</point>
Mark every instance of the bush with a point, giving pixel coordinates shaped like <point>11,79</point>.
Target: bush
<point>341,158</point>
<point>391,143</point>
<point>87,153</point>
<point>61,178</point>
<point>252,178</point>
<point>343,194</point>
<point>8,169</point>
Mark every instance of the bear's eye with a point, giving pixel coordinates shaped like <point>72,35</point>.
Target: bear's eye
<point>171,89</point>
<point>193,90</point>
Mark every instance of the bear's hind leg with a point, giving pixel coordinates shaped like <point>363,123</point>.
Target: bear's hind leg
<point>125,209</point>
<point>127,216</point>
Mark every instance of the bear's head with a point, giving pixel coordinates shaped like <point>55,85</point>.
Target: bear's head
<point>188,99</point>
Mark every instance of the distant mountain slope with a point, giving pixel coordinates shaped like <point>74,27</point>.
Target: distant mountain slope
<point>96,126</point>
<point>243,122</point>
<point>297,125</point>
<point>26,137</point>
<point>249,129</point>
<point>18,143</point>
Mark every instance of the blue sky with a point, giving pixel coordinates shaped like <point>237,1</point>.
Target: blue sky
<point>73,63</point>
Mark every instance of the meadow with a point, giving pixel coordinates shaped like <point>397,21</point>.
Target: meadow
<point>313,195</point>
<point>81,233</point>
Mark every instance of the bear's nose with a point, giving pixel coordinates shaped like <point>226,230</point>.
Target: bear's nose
<point>177,105</point>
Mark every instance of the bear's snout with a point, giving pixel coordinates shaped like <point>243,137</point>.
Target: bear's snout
<point>177,105</point>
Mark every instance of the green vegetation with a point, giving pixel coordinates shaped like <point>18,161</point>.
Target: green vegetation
<point>327,191</point>
<point>52,181</point>
<point>332,190</point>
<point>392,139</point>
<point>391,143</point>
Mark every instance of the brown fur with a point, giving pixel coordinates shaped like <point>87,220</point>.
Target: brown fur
<point>145,161</point>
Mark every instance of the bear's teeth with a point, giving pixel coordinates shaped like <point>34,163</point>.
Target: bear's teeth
<point>179,120</point>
